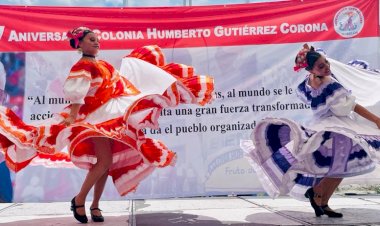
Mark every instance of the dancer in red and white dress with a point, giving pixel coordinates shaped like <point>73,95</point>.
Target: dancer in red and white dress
<point>102,125</point>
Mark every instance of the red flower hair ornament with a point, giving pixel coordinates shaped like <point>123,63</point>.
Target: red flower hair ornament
<point>76,34</point>
<point>301,58</point>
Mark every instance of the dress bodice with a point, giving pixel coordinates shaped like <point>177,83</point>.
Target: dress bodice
<point>331,98</point>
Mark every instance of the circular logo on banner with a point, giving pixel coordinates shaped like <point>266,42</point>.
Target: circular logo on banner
<point>348,21</point>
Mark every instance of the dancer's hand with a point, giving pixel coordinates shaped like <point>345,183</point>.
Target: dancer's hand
<point>68,121</point>
<point>378,122</point>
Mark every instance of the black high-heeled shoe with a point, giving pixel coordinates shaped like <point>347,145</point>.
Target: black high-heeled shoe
<point>310,195</point>
<point>331,213</point>
<point>96,218</point>
<point>74,207</point>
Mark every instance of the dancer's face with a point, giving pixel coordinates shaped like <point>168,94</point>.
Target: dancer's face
<point>90,44</point>
<point>321,67</point>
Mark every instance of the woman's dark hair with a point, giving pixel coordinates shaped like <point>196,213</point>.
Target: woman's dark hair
<point>306,58</point>
<point>311,57</point>
<point>72,41</point>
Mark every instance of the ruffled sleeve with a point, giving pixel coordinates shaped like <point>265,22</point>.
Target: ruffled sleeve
<point>303,92</point>
<point>77,83</point>
<point>343,106</point>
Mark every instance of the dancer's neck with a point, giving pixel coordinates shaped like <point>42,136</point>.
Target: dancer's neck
<point>88,55</point>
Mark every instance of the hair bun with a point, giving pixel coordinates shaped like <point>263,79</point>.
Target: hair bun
<point>76,35</point>
<point>301,58</point>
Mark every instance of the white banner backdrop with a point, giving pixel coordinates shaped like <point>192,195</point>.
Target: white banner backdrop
<point>252,82</point>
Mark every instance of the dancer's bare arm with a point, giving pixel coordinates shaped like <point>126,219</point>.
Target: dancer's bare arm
<point>362,111</point>
<point>73,114</point>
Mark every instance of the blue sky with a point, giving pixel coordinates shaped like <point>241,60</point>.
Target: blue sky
<point>119,3</point>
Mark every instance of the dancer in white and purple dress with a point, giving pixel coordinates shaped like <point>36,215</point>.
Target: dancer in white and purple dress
<point>311,161</point>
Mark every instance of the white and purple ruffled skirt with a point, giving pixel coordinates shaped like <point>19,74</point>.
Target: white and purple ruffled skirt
<point>289,158</point>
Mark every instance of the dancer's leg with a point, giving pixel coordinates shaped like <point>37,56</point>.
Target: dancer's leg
<point>329,189</point>
<point>319,190</point>
<point>104,160</point>
<point>324,190</point>
<point>98,191</point>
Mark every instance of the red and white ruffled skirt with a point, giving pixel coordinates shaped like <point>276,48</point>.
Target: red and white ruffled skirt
<point>121,119</point>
